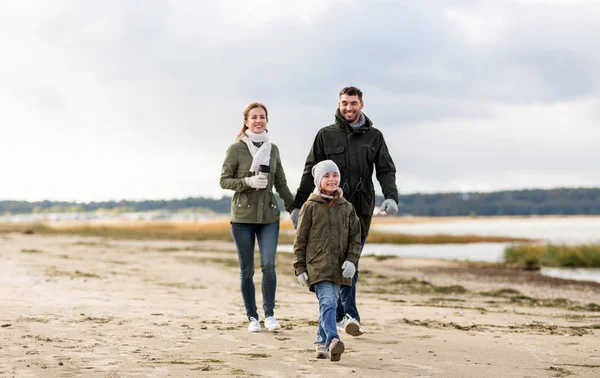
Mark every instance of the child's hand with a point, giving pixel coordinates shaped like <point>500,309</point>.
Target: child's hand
<point>294,217</point>
<point>348,269</point>
<point>303,279</point>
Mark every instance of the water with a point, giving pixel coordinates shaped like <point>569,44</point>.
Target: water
<point>573,274</point>
<point>555,230</point>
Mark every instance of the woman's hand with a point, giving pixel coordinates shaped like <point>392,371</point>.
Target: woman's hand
<point>257,182</point>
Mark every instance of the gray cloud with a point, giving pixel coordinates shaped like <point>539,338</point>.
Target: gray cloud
<point>172,77</point>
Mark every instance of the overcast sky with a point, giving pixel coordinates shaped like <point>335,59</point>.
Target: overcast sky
<point>124,99</point>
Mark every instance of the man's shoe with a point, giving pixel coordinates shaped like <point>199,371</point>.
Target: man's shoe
<point>322,352</point>
<point>341,325</point>
<point>271,324</point>
<point>254,325</point>
<point>336,348</point>
<point>352,327</point>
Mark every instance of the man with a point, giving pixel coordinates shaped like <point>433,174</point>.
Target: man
<point>356,147</point>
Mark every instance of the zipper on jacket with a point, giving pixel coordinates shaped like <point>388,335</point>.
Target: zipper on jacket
<point>348,164</point>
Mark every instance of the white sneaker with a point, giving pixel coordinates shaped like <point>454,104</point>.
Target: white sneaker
<point>341,325</point>
<point>254,325</point>
<point>352,327</point>
<point>322,352</point>
<point>272,324</point>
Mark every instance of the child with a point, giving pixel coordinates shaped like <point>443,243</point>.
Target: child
<point>326,251</point>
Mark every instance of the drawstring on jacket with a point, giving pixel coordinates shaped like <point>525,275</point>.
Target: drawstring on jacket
<point>358,188</point>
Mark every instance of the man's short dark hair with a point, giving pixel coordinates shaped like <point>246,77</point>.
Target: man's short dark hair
<point>351,91</point>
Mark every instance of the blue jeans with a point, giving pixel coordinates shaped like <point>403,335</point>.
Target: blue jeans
<point>244,236</point>
<point>347,302</point>
<point>328,294</point>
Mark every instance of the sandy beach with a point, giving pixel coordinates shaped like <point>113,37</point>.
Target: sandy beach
<point>93,307</point>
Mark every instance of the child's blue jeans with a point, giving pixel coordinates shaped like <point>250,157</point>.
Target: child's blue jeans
<point>328,294</point>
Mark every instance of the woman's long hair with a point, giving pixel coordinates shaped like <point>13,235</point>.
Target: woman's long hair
<point>246,111</point>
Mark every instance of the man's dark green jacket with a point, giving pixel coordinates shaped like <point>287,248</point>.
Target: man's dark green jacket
<point>356,153</point>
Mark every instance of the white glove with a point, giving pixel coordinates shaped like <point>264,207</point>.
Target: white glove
<point>349,269</point>
<point>294,217</point>
<point>389,206</point>
<point>257,182</point>
<point>303,279</point>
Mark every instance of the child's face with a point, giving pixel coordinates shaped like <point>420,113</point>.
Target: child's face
<point>330,183</point>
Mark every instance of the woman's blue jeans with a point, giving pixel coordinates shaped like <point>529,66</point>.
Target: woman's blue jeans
<point>328,294</point>
<point>244,236</point>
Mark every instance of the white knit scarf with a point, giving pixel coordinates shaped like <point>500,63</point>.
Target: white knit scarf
<point>261,155</point>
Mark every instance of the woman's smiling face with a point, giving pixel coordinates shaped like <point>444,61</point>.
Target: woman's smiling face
<point>257,120</point>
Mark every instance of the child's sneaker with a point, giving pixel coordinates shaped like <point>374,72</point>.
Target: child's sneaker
<point>254,325</point>
<point>336,348</point>
<point>272,324</point>
<point>322,352</point>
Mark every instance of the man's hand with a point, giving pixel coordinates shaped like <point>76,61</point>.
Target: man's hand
<point>348,269</point>
<point>389,206</point>
<point>257,182</point>
<point>294,217</point>
<point>303,279</point>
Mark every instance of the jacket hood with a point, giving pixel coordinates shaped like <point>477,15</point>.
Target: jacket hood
<point>341,122</point>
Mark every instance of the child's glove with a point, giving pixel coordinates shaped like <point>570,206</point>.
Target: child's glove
<point>348,269</point>
<point>257,182</point>
<point>294,217</point>
<point>303,279</point>
<point>389,206</point>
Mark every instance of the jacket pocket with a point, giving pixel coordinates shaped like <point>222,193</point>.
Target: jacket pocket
<point>241,204</point>
<point>274,206</point>
<point>366,203</point>
<point>337,155</point>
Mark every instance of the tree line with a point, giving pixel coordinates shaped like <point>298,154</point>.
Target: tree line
<point>560,201</point>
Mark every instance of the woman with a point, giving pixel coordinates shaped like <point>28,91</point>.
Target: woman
<point>254,209</point>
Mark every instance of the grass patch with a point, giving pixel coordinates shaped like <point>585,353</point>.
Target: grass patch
<point>382,257</point>
<point>413,285</point>
<point>220,230</point>
<point>255,355</point>
<point>30,250</point>
<point>181,285</point>
<point>516,297</point>
<point>94,244</point>
<point>437,299</point>
<point>6,228</point>
<point>398,238</point>
<point>507,292</point>
<point>53,272</point>
<point>189,362</point>
<point>366,273</point>
<point>534,256</point>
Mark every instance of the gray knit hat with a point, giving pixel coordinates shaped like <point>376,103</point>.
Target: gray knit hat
<point>321,168</point>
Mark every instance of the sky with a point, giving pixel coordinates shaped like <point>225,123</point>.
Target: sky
<point>131,99</point>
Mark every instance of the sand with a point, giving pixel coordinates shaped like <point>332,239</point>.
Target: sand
<point>91,307</point>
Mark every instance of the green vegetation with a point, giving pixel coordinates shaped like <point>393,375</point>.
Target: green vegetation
<point>199,204</point>
<point>534,256</point>
<point>560,201</point>
<point>219,230</point>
